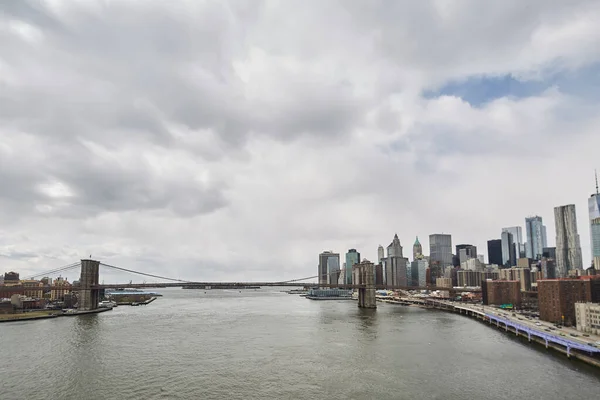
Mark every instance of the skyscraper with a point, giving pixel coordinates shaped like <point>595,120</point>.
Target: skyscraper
<point>352,257</point>
<point>517,237</point>
<point>595,236</point>
<point>395,248</point>
<point>594,208</point>
<point>417,249</point>
<point>440,250</point>
<point>380,254</point>
<point>396,266</point>
<point>465,251</point>
<point>568,247</point>
<point>328,261</point>
<point>536,237</point>
<point>495,251</point>
<point>509,247</point>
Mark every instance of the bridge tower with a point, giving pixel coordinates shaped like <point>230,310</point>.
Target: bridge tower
<point>88,282</point>
<point>364,275</point>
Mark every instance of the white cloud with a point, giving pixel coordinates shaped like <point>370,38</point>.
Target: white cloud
<point>230,141</point>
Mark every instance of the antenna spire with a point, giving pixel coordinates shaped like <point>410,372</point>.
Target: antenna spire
<point>596,174</point>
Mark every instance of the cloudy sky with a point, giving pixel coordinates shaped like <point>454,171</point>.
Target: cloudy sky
<point>237,140</point>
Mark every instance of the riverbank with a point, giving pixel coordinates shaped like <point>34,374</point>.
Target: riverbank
<point>35,315</point>
<point>29,316</point>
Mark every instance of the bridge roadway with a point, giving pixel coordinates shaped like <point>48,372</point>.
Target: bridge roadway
<point>290,284</point>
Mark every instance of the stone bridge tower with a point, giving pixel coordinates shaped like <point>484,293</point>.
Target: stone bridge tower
<point>88,285</point>
<point>363,274</point>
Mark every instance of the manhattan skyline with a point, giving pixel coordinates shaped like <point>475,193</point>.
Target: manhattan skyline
<point>246,151</point>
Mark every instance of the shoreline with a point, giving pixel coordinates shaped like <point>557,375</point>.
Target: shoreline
<point>51,316</point>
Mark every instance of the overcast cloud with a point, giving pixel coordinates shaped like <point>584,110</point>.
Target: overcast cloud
<point>237,140</point>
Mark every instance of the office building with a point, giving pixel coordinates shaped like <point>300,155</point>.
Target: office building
<point>494,292</point>
<point>493,275</point>
<point>536,237</point>
<point>61,287</point>
<point>342,277</point>
<point>352,257</point>
<point>418,269</point>
<point>395,265</point>
<point>444,283</point>
<point>395,248</point>
<point>508,250</point>
<point>440,251</point>
<point>380,254</point>
<point>522,275</point>
<point>379,277</point>
<point>328,262</point>
<point>12,279</point>
<point>334,277</point>
<point>468,278</point>
<point>594,209</point>
<point>568,248</point>
<point>33,288</point>
<point>524,278</point>
<point>472,264</point>
<point>557,298</point>
<point>465,251</point>
<point>495,251</point>
<point>595,240</point>
<point>417,249</point>
<point>548,268</point>
<point>517,234</point>
<point>549,252</point>
<point>587,317</point>
<point>396,269</point>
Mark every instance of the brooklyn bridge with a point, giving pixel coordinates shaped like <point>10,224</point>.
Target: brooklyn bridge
<point>90,289</point>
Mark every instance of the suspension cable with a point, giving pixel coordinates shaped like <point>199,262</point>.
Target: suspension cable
<point>145,274</point>
<point>298,280</point>
<point>53,271</point>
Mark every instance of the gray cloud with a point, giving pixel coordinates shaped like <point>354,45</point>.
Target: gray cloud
<point>222,140</point>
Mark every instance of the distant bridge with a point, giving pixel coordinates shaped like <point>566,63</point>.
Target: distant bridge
<point>282,284</point>
<point>89,287</point>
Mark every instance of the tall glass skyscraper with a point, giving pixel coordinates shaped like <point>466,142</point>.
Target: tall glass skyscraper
<point>352,257</point>
<point>440,250</point>
<point>536,237</point>
<point>594,207</point>
<point>517,238</point>
<point>328,262</point>
<point>509,258</point>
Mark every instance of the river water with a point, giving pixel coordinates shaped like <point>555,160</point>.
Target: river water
<point>263,344</point>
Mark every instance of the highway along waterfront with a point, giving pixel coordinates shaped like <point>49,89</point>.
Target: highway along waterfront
<point>265,344</point>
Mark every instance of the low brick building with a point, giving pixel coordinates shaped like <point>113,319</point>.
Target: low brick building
<point>501,292</point>
<point>557,298</point>
<point>6,292</point>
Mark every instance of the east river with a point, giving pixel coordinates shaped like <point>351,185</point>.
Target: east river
<point>263,344</point>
